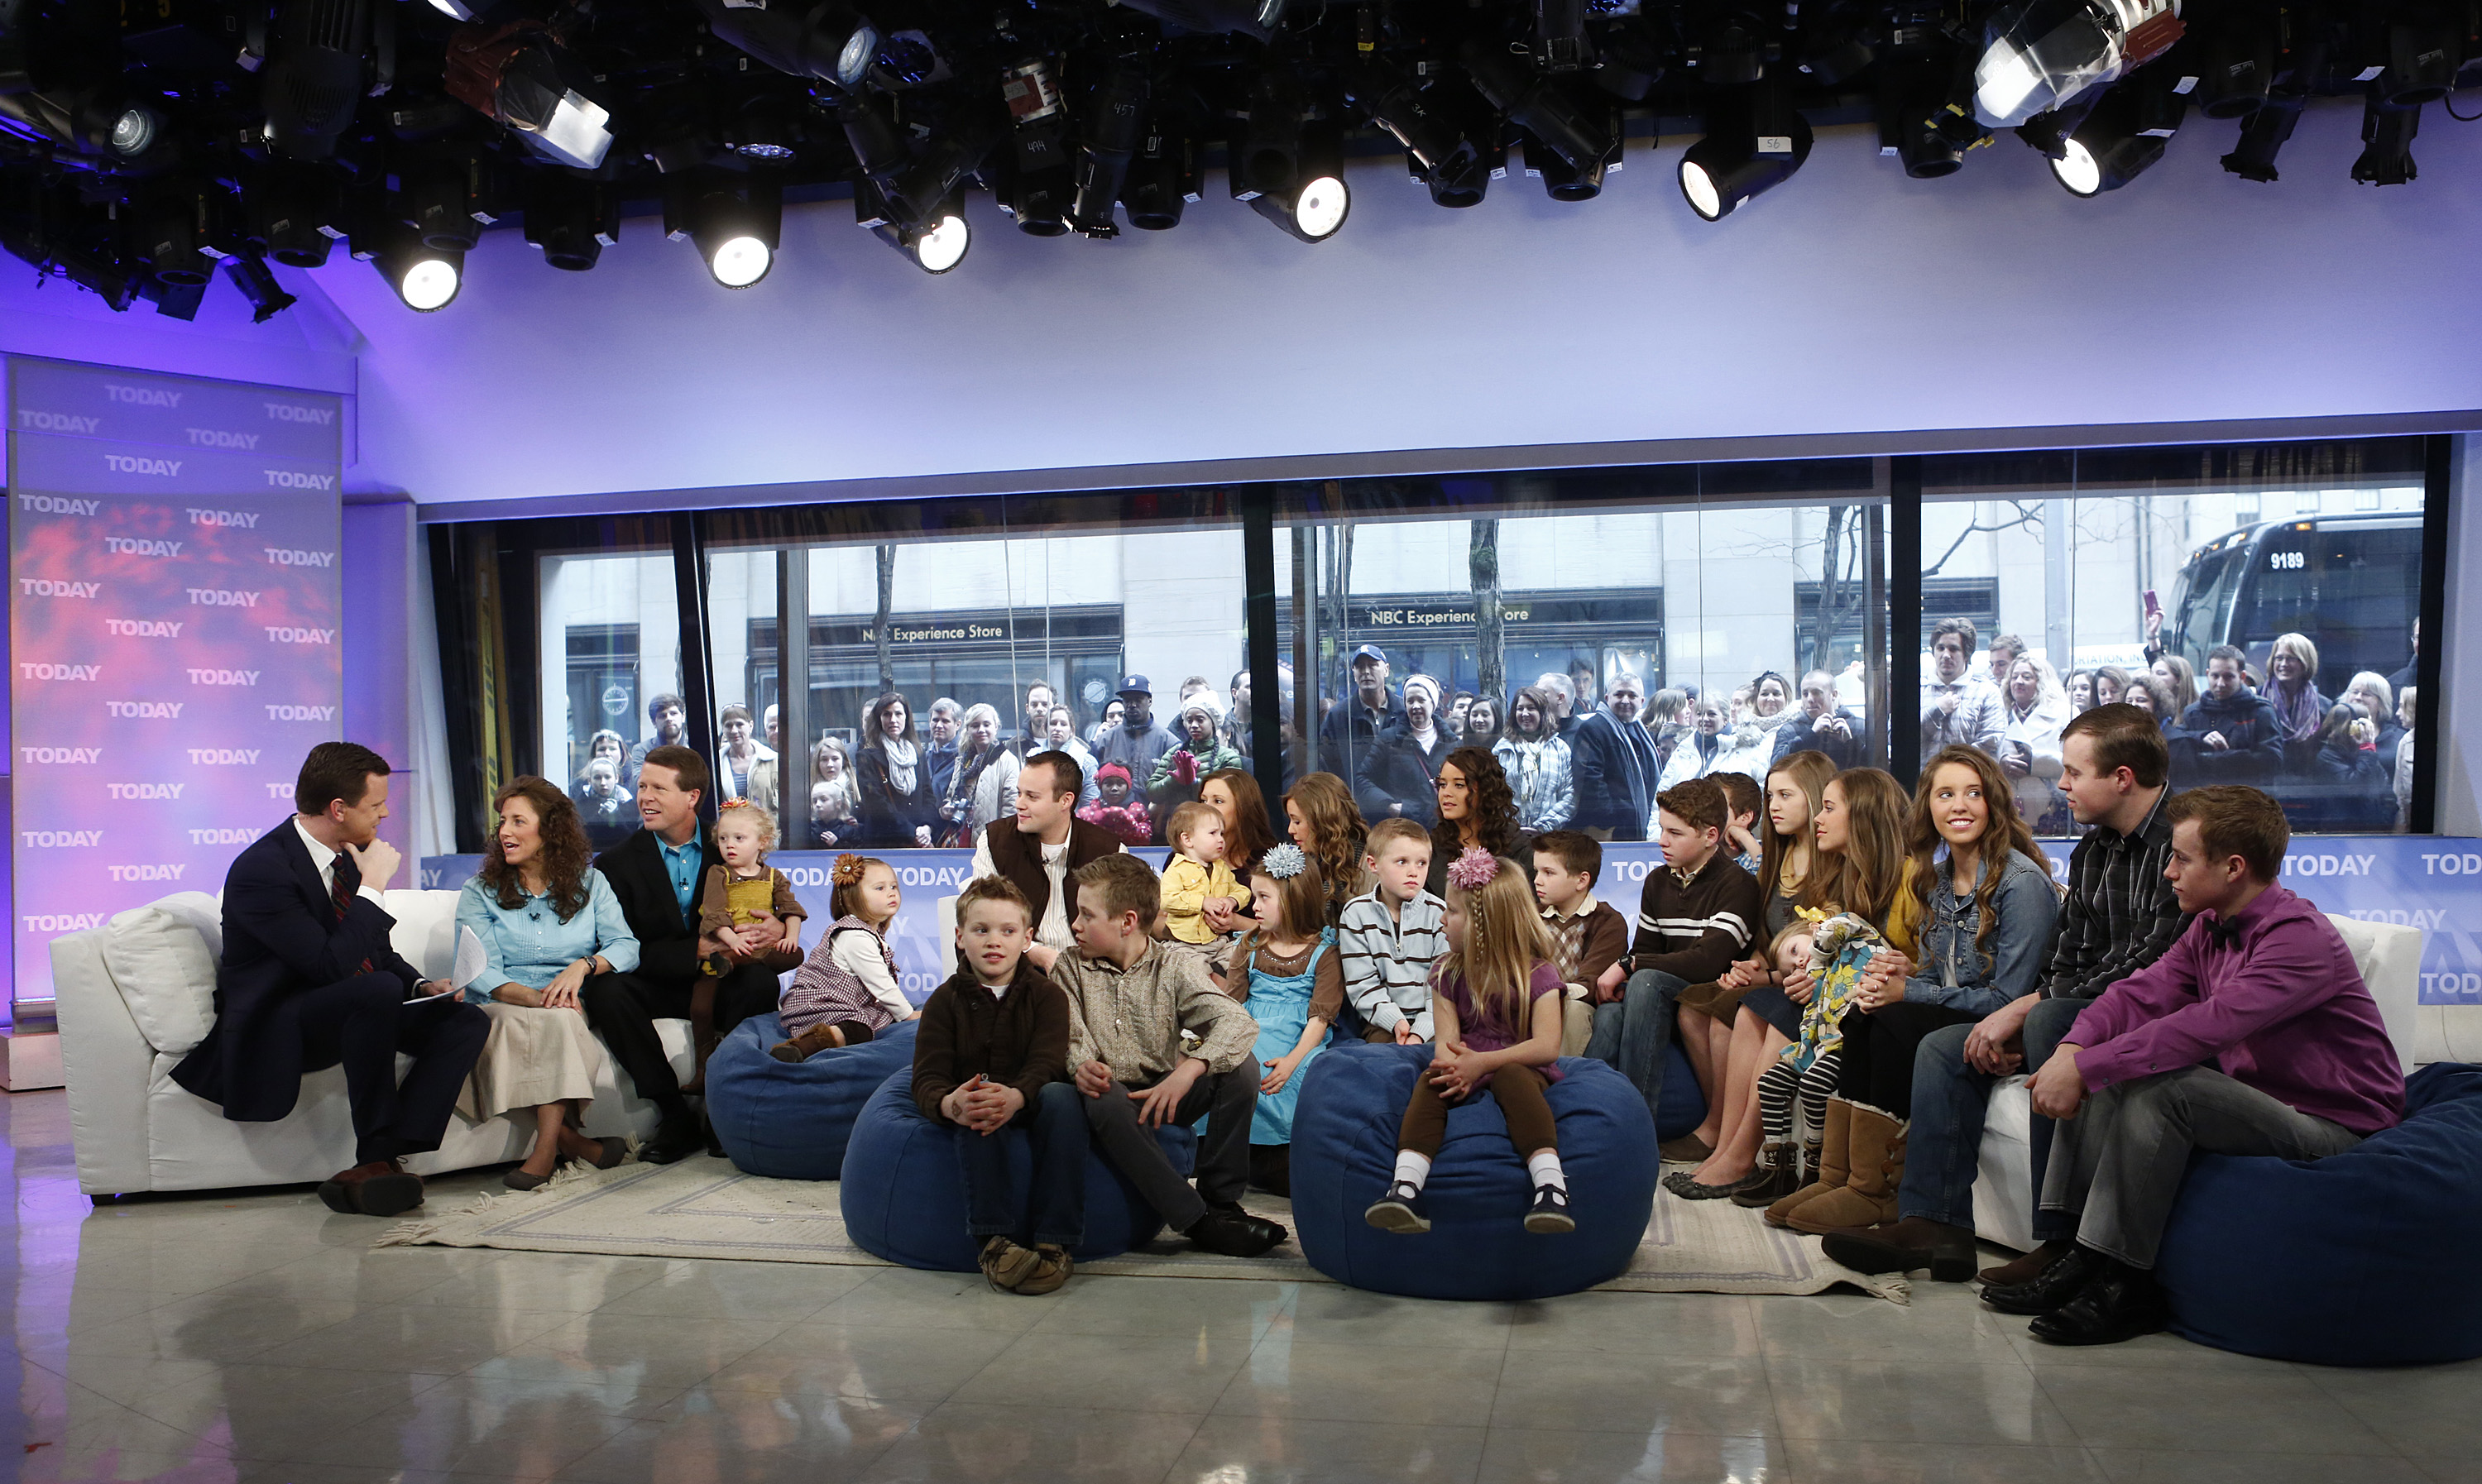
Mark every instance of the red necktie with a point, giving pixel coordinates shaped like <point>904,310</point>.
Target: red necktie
<point>345,890</point>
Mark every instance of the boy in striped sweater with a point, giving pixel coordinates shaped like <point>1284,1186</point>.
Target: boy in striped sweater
<point>1388,936</point>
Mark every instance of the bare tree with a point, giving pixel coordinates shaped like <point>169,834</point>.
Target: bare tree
<point>887,601</point>
<point>1490,660</point>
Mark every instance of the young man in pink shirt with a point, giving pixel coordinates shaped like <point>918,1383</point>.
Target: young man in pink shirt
<point>2253,1034</point>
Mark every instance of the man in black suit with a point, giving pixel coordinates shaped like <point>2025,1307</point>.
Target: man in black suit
<point>658,873</point>
<point>308,981</point>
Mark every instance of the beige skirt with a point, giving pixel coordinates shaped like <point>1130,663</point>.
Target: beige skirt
<point>534,1056</point>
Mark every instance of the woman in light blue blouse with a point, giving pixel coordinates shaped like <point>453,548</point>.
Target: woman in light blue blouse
<point>547,921</point>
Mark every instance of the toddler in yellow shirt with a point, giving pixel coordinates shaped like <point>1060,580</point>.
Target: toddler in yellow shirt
<point>1196,874</point>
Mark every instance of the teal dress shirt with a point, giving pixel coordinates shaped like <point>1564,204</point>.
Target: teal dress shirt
<point>529,944</point>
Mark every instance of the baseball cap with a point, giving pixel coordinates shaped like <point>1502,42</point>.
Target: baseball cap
<point>1371,651</point>
<point>1135,684</point>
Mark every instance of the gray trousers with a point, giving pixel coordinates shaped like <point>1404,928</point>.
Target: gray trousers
<point>2117,1166</point>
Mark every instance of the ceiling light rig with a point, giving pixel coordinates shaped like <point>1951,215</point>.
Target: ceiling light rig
<point>141,147</point>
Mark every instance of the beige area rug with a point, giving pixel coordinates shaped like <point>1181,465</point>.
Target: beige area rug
<point>703,1207</point>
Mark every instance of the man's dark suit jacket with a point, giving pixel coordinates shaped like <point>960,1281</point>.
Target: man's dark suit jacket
<point>282,938</point>
<point>666,935</point>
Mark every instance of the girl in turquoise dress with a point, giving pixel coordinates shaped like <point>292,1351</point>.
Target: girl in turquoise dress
<point>1287,973</point>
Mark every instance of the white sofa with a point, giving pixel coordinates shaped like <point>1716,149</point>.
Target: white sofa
<point>2390,957</point>
<point>137,993</point>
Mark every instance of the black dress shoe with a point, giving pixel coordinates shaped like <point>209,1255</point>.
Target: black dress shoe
<point>2059,1283</point>
<point>2121,1303</point>
<point>1915,1242</point>
<point>674,1140</point>
<point>1227,1234</point>
<point>377,1187</point>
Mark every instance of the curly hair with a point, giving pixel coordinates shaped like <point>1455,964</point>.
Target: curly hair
<point>1491,809</point>
<point>1336,836</point>
<point>565,854</point>
<point>2003,833</point>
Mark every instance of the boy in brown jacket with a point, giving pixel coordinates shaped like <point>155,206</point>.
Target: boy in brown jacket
<point>991,1054</point>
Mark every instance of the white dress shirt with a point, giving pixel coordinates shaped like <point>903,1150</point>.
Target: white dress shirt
<point>323,860</point>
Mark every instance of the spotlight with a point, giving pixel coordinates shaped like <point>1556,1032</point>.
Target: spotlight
<point>1038,182</point>
<point>1731,50</point>
<point>511,73</point>
<point>1116,119</point>
<point>2119,137</point>
<point>1559,35</point>
<point>930,183</point>
<point>1630,65</point>
<point>1444,156</point>
<point>735,227</point>
<point>320,66</point>
<point>2386,141</point>
<point>1162,180</point>
<point>61,237</point>
<point>2236,66</point>
<point>1562,181</point>
<point>2424,53</point>
<point>831,41</point>
<point>425,279</point>
<point>2263,134</point>
<point>443,203</point>
<point>1542,108</point>
<point>1754,140</point>
<point>1288,165</point>
<point>170,237</point>
<point>877,145</point>
<point>571,220</point>
<point>267,298</point>
<point>114,134</point>
<point>295,216</point>
<point>935,244</point>
<point>1258,18</point>
<point>2038,54</point>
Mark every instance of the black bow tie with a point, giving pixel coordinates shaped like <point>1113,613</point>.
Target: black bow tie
<point>2223,932</point>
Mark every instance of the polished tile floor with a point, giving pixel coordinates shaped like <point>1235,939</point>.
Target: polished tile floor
<point>259,1339</point>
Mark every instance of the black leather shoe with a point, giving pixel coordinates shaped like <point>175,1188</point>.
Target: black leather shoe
<point>1229,1234</point>
<point>677,1139</point>
<point>2059,1283</point>
<point>1915,1242</point>
<point>2121,1303</point>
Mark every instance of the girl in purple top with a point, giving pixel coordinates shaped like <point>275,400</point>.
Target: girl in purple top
<point>1495,1004</point>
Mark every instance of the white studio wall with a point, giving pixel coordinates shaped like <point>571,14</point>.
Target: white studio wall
<point>1851,300</point>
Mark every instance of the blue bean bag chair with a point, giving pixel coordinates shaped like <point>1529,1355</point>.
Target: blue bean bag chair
<point>1344,1150</point>
<point>2355,1260</point>
<point>1684,1106</point>
<point>904,1198</point>
<point>790,1120</point>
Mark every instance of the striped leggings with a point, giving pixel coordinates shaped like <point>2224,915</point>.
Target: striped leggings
<point>1780,1085</point>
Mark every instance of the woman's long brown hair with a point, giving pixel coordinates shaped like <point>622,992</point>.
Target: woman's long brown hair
<point>1490,803</point>
<point>2003,833</point>
<point>1809,770</point>
<point>1250,836</point>
<point>1326,807</point>
<point>565,854</point>
<point>1864,877</point>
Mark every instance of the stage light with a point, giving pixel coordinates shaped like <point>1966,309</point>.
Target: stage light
<point>2119,137</point>
<point>833,41</point>
<point>735,227</point>
<point>2263,133</point>
<point>1582,137</point>
<point>1754,140</point>
<point>1035,182</point>
<point>267,298</point>
<point>1162,180</point>
<point>320,67</point>
<point>2424,53</point>
<point>425,279</point>
<point>2038,54</point>
<point>511,73</point>
<point>571,220</point>
<point>169,236</point>
<point>1444,156</point>
<point>2236,65</point>
<point>94,124</point>
<point>935,242</point>
<point>1115,119</point>
<point>1559,35</point>
<point>2386,141</point>
<point>1731,50</point>
<point>1256,18</point>
<point>1288,163</point>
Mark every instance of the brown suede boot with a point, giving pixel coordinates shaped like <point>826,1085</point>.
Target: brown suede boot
<point>1781,1164</point>
<point>1877,1169</point>
<point>808,1043</point>
<point>1833,1144</point>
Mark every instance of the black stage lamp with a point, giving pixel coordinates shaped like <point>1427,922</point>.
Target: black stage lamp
<point>323,60</point>
<point>1162,180</point>
<point>735,223</point>
<point>2236,62</point>
<point>2387,131</point>
<point>935,242</point>
<point>425,279</point>
<point>571,220</point>
<point>295,216</point>
<point>1562,181</point>
<point>2426,51</point>
<point>2119,137</point>
<point>1754,140</point>
<point>267,298</point>
<point>1560,35</point>
<point>168,234</point>
<point>1444,156</point>
<point>1577,134</point>
<point>1037,180</point>
<point>831,42</point>
<point>877,143</point>
<point>2263,133</point>
<point>1288,163</point>
<point>1116,124</point>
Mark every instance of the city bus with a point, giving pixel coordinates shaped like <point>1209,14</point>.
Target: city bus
<point>2351,583</point>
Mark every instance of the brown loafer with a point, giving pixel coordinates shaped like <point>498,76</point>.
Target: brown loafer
<point>2027,1268</point>
<point>381,1187</point>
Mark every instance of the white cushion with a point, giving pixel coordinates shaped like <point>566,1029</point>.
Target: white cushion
<point>2389,957</point>
<point>426,929</point>
<point>161,957</point>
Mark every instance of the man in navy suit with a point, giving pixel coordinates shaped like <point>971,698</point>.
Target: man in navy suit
<point>308,981</point>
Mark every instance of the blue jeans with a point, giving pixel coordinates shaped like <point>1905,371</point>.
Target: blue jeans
<point>1943,1148</point>
<point>1633,1035</point>
<point>1056,1122</point>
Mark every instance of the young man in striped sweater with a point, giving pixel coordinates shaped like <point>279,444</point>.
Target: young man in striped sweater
<point>1698,913</point>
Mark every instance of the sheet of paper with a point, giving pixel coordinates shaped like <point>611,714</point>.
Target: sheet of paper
<point>471,960</point>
